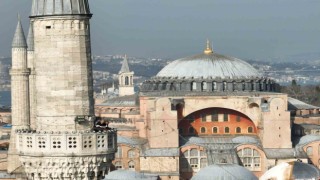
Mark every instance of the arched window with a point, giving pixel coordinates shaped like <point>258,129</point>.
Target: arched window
<point>193,160</point>
<point>238,130</point>
<point>172,87</point>
<point>214,86</point>
<point>224,86</point>
<point>191,130</point>
<point>126,81</point>
<point>203,130</point>
<point>226,130</point>
<point>131,153</point>
<point>164,86</point>
<point>119,152</point>
<point>215,130</point>
<point>131,165</point>
<point>204,86</point>
<point>118,165</point>
<point>193,86</point>
<point>250,129</point>
<point>250,159</point>
<point>309,151</point>
<point>243,86</point>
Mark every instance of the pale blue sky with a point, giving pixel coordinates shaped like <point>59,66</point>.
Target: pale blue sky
<point>247,29</point>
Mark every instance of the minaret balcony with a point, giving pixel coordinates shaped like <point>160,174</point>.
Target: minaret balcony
<point>55,143</point>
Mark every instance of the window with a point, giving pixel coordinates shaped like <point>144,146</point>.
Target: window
<point>118,165</point>
<point>193,160</point>
<point>238,130</point>
<point>250,159</point>
<point>250,129</point>
<point>191,130</point>
<point>214,116</point>
<point>203,130</point>
<point>193,86</point>
<point>215,130</point>
<point>204,118</point>
<point>225,117</point>
<point>204,85</point>
<point>131,153</point>
<point>126,82</point>
<point>180,131</point>
<point>131,165</point>
<point>119,152</point>
<point>214,86</point>
<point>243,86</point>
<point>309,151</point>
<point>238,118</point>
<point>226,130</point>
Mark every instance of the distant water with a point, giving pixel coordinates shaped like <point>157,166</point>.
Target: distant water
<point>5,98</point>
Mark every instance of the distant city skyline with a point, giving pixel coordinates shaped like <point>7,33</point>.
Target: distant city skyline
<point>172,29</point>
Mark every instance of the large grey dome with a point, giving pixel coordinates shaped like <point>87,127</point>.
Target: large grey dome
<point>208,65</point>
<point>60,7</point>
<point>224,171</point>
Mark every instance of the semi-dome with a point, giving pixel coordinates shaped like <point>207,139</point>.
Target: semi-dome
<point>292,170</point>
<point>224,171</point>
<point>127,174</point>
<point>209,65</point>
<point>60,7</point>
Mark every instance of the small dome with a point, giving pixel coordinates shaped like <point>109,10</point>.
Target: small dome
<point>224,171</point>
<point>60,7</point>
<point>126,174</point>
<point>292,170</point>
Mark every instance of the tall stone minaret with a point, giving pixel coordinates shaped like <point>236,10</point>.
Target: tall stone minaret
<point>61,144</point>
<point>32,77</point>
<point>20,94</point>
<point>126,86</point>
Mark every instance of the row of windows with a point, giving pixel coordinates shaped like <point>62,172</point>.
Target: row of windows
<point>193,159</point>
<point>250,159</point>
<point>215,130</point>
<point>119,165</point>
<point>215,117</point>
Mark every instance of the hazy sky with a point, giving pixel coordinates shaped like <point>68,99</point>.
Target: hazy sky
<point>246,29</point>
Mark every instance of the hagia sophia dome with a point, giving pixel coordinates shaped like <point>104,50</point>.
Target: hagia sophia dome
<point>209,65</point>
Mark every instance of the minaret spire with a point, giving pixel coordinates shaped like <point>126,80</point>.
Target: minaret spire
<point>30,39</point>
<point>19,39</point>
<point>125,65</point>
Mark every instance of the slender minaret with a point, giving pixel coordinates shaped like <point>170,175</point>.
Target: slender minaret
<point>32,77</point>
<point>126,86</point>
<point>62,144</point>
<point>19,94</point>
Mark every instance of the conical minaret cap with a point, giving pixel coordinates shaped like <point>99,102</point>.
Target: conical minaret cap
<point>125,65</point>
<point>19,40</point>
<point>30,39</point>
<point>60,7</point>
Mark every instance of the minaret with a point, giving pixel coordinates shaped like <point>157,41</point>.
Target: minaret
<point>63,144</point>
<point>125,79</point>
<point>20,94</point>
<point>32,77</point>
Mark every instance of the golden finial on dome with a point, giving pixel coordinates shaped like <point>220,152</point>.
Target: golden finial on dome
<point>208,49</point>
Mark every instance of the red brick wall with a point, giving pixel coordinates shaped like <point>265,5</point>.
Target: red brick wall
<point>195,120</point>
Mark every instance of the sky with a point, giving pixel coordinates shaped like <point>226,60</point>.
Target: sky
<point>247,29</point>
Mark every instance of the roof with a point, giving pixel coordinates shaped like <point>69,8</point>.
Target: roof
<point>121,101</point>
<point>210,65</point>
<point>131,141</point>
<point>30,39</point>
<point>158,152</point>
<point>307,139</point>
<point>224,171</point>
<point>295,104</point>
<point>125,65</point>
<point>59,7</point>
<point>127,174</point>
<point>289,153</point>
<point>19,40</point>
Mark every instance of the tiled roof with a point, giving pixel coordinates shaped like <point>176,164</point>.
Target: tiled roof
<point>122,101</point>
<point>289,153</point>
<point>160,152</point>
<point>294,104</point>
<point>128,175</point>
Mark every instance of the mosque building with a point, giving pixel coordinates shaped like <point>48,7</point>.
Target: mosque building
<point>205,116</point>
